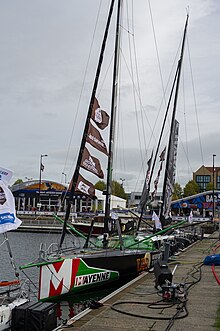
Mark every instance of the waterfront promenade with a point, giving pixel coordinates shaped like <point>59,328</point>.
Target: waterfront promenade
<point>202,306</point>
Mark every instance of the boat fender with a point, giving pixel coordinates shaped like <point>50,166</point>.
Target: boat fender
<point>212,259</point>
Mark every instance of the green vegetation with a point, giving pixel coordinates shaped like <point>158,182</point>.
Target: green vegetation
<point>18,181</point>
<point>178,192</point>
<point>209,186</point>
<point>117,188</point>
<point>191,188</point>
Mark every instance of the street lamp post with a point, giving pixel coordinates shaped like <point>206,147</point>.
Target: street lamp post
<point>122,182</point>
<point>213,188</point>
<point>41,169</point>
<point>63,173</point>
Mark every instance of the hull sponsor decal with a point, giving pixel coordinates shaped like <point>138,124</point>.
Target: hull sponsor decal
<point>71,275</point>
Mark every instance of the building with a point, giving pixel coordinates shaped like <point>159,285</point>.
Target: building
<point>51,196</point>
<point>204,176</point>
<point>135,197</point>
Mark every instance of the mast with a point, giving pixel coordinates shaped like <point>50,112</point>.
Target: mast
<point>179,69</point>
<point>83,142</point>
<point>157,150</point>
<point>113,117</point>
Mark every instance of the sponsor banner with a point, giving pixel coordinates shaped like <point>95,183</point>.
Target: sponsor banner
<point>91,164</point>
<point>8,219</point>
<point>94,138</point>
<point>99,116</point>
<point>85,186</point>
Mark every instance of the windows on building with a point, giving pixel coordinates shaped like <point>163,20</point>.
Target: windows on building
<point>202,181</point>
<point>218,183</point>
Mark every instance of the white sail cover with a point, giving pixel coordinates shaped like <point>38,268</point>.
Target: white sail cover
<point>8,219</point>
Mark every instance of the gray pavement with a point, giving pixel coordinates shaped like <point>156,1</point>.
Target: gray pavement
<point>203,299</point>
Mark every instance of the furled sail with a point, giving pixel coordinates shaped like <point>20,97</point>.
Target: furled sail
<point>156,181</point>
<point>146,188</point>
<point>171,171</point>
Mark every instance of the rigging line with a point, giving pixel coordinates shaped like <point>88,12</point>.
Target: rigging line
<point>105,75</point>
<point>119,161</point>
<point>82,87</point>
<point>126,64</point>
<point>119,126</point>
<point>195,103</point>
<point>185,124</point>
<point>138,82</point>
<point>133,85</point>
<point>157,52</point>
<point>168,82</point>
<point>10,255</point>
<point>186,151</point>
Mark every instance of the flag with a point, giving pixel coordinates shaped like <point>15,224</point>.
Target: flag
<point>94,138</point>
<point>85,187</point>
<point>99,116</point>
<point>8,219</point>
<point>145,191</point>
<point>42,167</point>
<point>91,164</point>
<point>190,219</point>
<point>157,223</point>
<point>5,174</point>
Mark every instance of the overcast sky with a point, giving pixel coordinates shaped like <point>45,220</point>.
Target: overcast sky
<point>44,92</point>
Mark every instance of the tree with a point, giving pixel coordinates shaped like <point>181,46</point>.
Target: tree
<point>178,192</point>
<point>191,188</point>
<point>117,188</point>
<point>100,185</point>
<point>18,181</point>
<point>209,186</point>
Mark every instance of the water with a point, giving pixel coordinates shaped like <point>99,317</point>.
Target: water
<point>25,249</point>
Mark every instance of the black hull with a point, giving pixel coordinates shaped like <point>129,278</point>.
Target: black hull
<point>127,264</point>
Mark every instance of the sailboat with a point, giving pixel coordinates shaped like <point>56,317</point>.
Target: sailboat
<point>69,271</point>
<point>11,294</point>
<point>73,271</point>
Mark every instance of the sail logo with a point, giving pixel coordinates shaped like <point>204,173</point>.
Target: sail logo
<point>98,115</point>
<point>97,141</point>
<point>92,278</point>
<point>89,164</point>
<point>83,187</point>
